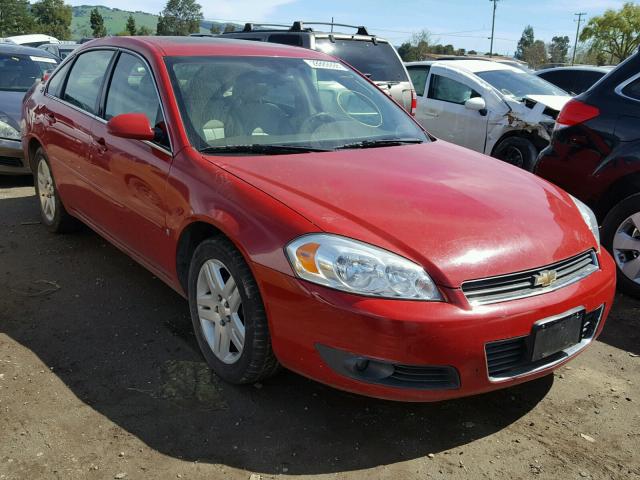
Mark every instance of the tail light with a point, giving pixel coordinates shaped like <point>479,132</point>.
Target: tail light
<point>414,103</point>
<point>576,112</point>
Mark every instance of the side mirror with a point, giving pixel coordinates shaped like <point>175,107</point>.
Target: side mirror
<point>475,103</point>
<point>131,125</point>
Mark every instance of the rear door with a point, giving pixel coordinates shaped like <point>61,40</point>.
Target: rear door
<point>132,173</point>
<point>68,116</point>
<point>444,114</point>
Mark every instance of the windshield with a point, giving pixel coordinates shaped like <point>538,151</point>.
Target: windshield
<point>19,72</point>
<point>519,84</point>
<point>283,101</point>
<point>378,60</point>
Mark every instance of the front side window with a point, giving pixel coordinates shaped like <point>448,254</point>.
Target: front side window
<point>448,90</point>
<point>519,84</point>
<point>85,79</point>
<point>132,90</point>
<point>19,72</point>
<point>282,101</point>
<point>419,78</point>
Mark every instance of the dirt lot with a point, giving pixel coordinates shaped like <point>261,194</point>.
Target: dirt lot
<point>100,378</point>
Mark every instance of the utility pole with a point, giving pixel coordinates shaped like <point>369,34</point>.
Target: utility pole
<point>331,24</point>
<point>575,45</point>
<point>493,25</point>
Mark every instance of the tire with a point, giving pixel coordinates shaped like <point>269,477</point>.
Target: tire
<point>52,212</point>
<point>618,225</point>
<point>517,151</point>
<point>216,317</point>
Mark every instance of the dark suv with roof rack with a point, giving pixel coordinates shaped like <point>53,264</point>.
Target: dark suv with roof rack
<point>372,56</point>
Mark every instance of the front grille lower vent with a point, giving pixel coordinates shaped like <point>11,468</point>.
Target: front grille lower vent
<point>10,161</point>
<point>425,377</point>
<point>530,282</point>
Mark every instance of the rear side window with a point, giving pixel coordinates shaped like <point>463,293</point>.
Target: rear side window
<point>633,90</point>
<point>584,81</point>
<point>419,78</point>
<point>286,39</point>
<point>560,78</point>
<point>85,79</point>
<point>378,61</point>
<point>448,90</point>
<point>55,84</point>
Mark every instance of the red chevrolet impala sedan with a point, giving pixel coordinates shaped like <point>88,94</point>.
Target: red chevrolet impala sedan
<point>311,223</point>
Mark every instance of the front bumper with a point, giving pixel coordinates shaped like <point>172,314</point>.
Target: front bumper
<point>306,319</point>
<point>12,158</point>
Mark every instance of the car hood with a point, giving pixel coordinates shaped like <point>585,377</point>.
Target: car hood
<point>460,214</point>
<point>10,105</point>
<point>556,102</point>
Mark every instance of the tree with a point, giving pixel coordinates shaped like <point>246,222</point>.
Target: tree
<point>558,49</point>
<point>526,41</point>
<point>404,51</point>
<point>615,33</point>
<point>229,27</point>
<point>144,30</point>
<point>421,41</point>
<point>536,54</point>
<point>472,52</point>
<point>180,17</point>
<point>214,29</point>
<point>53,17</point>
<point>15,18</point>
<point>131,25</point>
<point>97,24</point>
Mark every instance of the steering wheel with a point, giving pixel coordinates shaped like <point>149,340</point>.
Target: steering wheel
<point>315,121</point>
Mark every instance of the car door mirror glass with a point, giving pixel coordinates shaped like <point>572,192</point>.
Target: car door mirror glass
<point>135,126</point>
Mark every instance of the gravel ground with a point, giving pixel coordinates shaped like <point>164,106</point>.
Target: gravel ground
<point>100,378</point>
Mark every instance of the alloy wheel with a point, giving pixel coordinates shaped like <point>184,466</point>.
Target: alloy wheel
<point>220,311</point>
<point>514,156</point>
<point>46,191</point>
<point>626,247</point>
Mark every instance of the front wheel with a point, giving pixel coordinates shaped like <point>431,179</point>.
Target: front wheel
<point>621,237</point>
<point>517,151</point>
<point>228,315</point>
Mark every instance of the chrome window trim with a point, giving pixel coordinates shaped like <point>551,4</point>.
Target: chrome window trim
<point>624,84</point>
<point>538,291</point>
<point>568,352</point>
<point>102,120</point>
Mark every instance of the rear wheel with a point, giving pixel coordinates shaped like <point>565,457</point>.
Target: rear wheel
<point>621,237</point>
<point>52,212</point>
<point>228,315</point>
<point>516,151</point>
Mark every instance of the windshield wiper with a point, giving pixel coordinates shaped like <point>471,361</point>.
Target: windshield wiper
<point>380,143</point>
<point>260,148</point>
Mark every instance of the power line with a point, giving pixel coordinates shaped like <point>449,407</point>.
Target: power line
<point>575,45</point>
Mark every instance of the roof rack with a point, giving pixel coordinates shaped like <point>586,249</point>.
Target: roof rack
<point>299,26</point>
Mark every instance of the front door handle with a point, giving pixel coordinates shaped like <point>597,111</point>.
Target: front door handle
<point>50,116</point>
<point>101,144</point>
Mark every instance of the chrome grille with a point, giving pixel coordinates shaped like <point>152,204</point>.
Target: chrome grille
<point>523,284</point>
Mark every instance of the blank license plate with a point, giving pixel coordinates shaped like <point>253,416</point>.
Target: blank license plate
<point>554,336</point>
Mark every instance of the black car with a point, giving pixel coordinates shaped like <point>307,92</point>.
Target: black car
<point>576,79</point>
<point>20,68</point>
<point>594,154</point>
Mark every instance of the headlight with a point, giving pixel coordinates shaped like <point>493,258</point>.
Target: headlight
<point>589,218</point>
<point>7,131</point>
<point>357,267</point>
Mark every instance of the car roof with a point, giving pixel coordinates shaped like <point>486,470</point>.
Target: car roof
<point>205,46</point>
<point>32,37</point>
<point>473,66</point>
<point>12,48</point>
<point>585,68</point>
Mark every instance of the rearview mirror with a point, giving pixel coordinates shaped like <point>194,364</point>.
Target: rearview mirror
<point>475,103</point>
<point>131,125</point>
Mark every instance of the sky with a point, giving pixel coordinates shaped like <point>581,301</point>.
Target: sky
<point>462,23</point>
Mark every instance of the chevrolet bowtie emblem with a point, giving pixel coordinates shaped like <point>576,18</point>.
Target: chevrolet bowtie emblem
<point>545,278</point>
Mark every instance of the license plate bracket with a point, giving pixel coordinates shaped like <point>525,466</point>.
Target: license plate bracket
<point>553,336</point>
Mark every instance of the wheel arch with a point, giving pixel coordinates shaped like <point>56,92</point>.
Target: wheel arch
<point>533,137</point>
<point>626,186</point>
<point>32,146</point>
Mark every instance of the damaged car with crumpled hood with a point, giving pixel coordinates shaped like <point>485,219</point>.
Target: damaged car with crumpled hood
<point>487,106</point>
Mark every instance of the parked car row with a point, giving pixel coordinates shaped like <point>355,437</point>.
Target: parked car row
<point>311,222</point>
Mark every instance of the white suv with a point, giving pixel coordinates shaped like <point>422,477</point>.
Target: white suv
<point>487,106</point>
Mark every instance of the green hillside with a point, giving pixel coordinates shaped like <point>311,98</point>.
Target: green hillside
<point>115,20</point>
